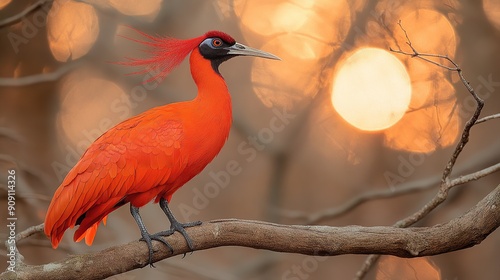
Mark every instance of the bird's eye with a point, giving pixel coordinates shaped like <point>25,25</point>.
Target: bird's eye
<point>216,42</point>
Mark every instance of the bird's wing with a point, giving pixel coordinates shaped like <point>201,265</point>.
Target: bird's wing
<point>134,157</point>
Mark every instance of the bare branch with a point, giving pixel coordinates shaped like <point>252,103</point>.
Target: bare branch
<point>487,118</point>
<point>367,265</point>
<point>18,17</point>
<point>423,56</point>
<point>445,185</point>
<point>28,232</point>
<point>330,213</point>
<point>475,176</point>
<point>24,234</point>
<point>407,188</point>
<point>438,199</point>
<point>37,78</point>
<point>463,232</point>
<point>11,134</point>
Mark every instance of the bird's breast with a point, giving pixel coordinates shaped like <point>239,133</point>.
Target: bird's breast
<point>205,137</point>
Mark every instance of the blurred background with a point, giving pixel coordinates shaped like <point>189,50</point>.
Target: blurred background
<point>339,116</point>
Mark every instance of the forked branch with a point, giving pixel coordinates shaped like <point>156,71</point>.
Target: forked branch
<point>463,232</point>
<point>445,184</point>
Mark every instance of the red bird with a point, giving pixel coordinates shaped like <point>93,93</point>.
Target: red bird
<point>152,155</point>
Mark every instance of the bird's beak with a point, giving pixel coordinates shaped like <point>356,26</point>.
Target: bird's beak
<point>240,49</point>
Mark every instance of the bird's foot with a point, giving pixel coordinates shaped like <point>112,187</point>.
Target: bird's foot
<point>148,239</point>
<point>180,227</point>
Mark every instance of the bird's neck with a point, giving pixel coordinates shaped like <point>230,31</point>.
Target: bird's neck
<point>211,85</point>
<point>213,101</point>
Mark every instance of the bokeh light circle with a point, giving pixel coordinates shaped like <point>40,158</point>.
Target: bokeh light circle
<point>72,30</point>
<point>371,90</point>
<point>283,83</point>
<point>492,10</point>
<point>432,123</point>
<point>89,107</point>
<point>4,3</point>
<point>137,8</point>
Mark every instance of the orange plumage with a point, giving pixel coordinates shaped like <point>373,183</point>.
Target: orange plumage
<point>153,154</point>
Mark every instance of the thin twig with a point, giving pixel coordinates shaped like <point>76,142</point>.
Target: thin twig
<point>36,196</point>
<point>333,212</point>
<point>24,234</point>
<point>367,265</point>
<point>407,188</point>
<point>475,176</point>
<point>29,232</point>
<point>445,181</point>
<point>11,134</point>
<point>423,56</point>
<point>487,118</point>
<point>445,185</point>
<point>372,259</point>
<point>37,78</point>
<point>18,17</point>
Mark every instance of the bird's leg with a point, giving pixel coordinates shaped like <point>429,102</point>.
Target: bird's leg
<point>146,236</point>
<point>176,225</point>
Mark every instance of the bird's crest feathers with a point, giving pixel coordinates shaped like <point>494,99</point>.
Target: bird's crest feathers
<point>165,53</point>
<point>228,39</point>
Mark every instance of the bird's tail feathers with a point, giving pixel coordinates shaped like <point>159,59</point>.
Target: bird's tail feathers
<point>96,214</point>
<point>90,233</point>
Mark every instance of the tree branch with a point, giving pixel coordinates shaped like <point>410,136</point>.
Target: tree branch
<point>445,184</point>
<point>487,118</point>
<point>333,212</point>
<point>18,17</point>
<point>463,232</point>
<point>38,78</point>
<point>407,188</point>
<point>475,176</point>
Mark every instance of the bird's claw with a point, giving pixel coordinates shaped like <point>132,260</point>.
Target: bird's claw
<point>159,238</point>
<point>148,239</point>
<point>180,227</point>
<point>176,226</point>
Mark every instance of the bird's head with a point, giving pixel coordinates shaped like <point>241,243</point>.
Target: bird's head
<point>166,52</point>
